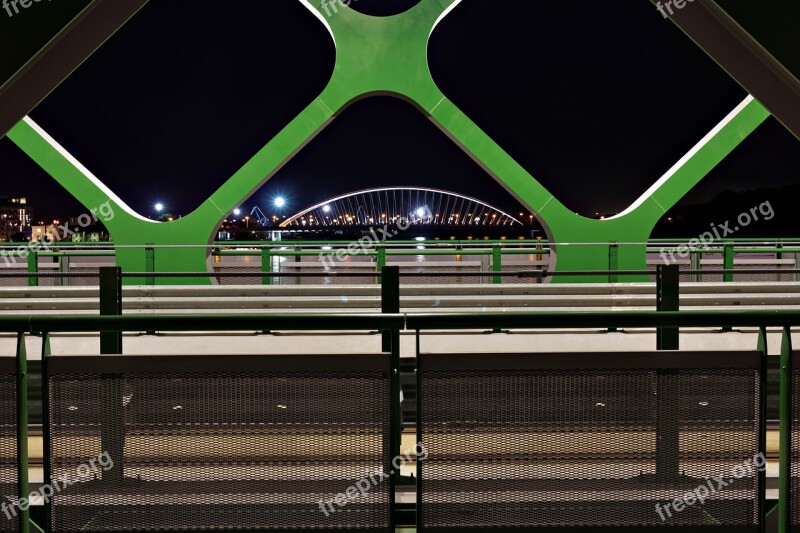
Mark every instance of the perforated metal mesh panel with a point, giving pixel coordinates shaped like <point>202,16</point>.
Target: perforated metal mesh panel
<point>522,447</point>
<point>429,274</point>
<point>794,488</point>
<point>248,280</point>
<point>243,449</point>
<point>8,447</point>
<point>369,277</point>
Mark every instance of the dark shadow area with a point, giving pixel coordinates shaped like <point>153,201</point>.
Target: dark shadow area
<point>25,30</point>
<point>184,95</point>
<point>597,103</point>
<point>762,171</point>
<point>21,177</point>
<point>773,23</point>
<point>376,8</point>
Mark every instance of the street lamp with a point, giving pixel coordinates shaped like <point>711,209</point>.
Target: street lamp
<point>159,207</point>
<point>279,201</point>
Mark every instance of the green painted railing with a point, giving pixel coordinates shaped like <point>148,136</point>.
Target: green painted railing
<point>268,255</point>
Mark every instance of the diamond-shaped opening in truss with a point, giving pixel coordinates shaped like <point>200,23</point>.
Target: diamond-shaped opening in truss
<point>182,96</point>
<point>380,142</point>
<point>757,181</point>
<point>375,8</point>
<point>596,111</point>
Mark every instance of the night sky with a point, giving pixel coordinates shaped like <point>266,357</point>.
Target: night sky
<point>595,99</point>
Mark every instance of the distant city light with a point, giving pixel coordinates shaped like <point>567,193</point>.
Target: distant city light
<point>159,207</point>
<point>279,201</point>
<point>420,239</point>
<point>326,208</point>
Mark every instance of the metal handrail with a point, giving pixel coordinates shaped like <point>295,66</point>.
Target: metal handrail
<point>399,321</point>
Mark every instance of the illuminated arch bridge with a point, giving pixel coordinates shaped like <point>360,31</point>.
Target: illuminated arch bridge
<point>402,206</point>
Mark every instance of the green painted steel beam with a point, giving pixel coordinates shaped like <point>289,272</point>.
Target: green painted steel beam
<point>388,55</point>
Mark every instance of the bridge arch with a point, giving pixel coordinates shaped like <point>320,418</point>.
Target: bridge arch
<point>416,205</point>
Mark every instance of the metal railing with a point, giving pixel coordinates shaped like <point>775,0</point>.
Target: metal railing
<point>718,259</point>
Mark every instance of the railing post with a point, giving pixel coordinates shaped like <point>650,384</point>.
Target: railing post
<point>22,432</point>
<point>266,265</point>
<point>697,264</point>
<point>497,264</point>
<point>390,302</point>
<point>727,262</point>
<point>613,261</point>
<point>111,433</point>
<point>150,263</point>
<point>111,305</point>
<point>668,299</point>
<point>785,438</point>
<point>380,262</point>
<point>33,268</point>
<point>63,268</point>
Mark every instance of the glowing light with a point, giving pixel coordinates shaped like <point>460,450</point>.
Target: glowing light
<point>280,201</point>
<point>326,208</point>
<point>237,211</point>
<point>159,207</point>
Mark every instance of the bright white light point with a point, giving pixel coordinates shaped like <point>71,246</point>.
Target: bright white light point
<point>420,212</point>
<point>326,208</point>
<point>159,207</point>
<point>280,201</point>
<point>237,211</point>
<point>420,239</point>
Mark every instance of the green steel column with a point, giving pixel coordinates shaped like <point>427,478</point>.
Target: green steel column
<point>785,446</point>
<point>497,264</point>
<point>727,261</point>
<point>22,432</point>
<point>266,265</point>
<point>33,268</point>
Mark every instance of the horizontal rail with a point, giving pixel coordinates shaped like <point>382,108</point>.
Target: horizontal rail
<point>617,319</point>
<point>411,321</point>
<point>516,273</point>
